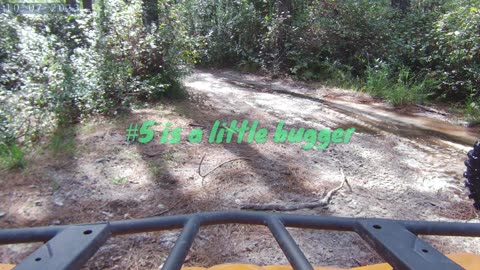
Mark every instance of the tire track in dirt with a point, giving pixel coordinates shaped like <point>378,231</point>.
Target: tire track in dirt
<point>399,165</point>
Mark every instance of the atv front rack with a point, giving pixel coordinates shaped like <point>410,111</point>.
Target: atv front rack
<point>71,246</point>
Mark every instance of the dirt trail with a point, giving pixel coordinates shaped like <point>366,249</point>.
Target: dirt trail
<point>400,164</point>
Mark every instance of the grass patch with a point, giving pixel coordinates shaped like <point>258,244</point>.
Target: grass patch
<point>160,174</point>
<point>11,157</point>
<point>379,81</point>
<point>246,66</point>
<point>121,119</point>
<point>89,127</point>
<point>169,155</point>
<point>401,89</point>
<point>156,169</point>
<point>63,141</point>
<point>341,76</point>
<point>401,94</point>
<point>472,111</point>
<point>118,181</point>
<point>55,185</point>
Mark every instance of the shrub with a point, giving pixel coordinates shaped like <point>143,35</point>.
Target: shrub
<point>451,52</point>
<point>472,110</point>
<point>11,156</point>
<point>58,69</point>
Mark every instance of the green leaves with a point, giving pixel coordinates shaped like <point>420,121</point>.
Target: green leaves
<point>63,68</point>
<point>454,42</point>
<point>11,156</point>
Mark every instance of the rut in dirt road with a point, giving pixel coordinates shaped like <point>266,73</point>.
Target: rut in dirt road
<point>399,165</point>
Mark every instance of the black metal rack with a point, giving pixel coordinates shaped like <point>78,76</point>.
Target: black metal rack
<point>71,246</point>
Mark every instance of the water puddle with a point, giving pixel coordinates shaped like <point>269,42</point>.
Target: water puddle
<point>409,126</point>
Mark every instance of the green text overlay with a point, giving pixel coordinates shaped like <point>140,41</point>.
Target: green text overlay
<point>236,132</point>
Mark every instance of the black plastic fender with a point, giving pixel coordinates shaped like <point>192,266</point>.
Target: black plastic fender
<point>473,174</point>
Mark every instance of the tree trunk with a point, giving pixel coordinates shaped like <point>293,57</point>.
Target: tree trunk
<point>87,4</point>
<point>284,14</point>
<point>402,5</point>
<point>150,12</point>
<point>71,3</point>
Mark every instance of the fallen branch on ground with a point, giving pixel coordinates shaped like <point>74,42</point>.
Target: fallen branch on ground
<point>205,175</point>
<point>430,110</point>
<point>168,209</point>
<point>292,207</point>
<point>196,125</point>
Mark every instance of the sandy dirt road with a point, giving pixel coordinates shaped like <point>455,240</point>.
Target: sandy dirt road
<point>400,163</point>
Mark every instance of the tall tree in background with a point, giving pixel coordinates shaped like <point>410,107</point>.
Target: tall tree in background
<point>87,4</point>
<point>150,13</point>
<point>402,5</point>
<point>71,3</point>
<point>284,16</point>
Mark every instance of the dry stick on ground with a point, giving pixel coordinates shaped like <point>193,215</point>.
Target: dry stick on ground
<point>205,175</point>
<point>169,209</point>
<point>431,110</point>
<point>196,125</point>
<point>292,207</point>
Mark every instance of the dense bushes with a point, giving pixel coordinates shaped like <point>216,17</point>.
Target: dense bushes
<point>451,50</point>
<point>60,68</point>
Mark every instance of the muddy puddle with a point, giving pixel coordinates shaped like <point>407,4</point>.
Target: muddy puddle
<point>380,118</point>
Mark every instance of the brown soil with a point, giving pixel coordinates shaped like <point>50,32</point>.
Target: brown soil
<point>400,164</point>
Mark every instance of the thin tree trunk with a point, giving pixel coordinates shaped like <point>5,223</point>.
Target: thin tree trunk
<point>71,3</point>
<point>284,14</point>
<point>87,4</point>
<point>402,5</point>
<point>150,13</point>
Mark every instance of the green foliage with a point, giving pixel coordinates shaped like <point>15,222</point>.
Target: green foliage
<point>472,110</point>
<point>156,169</point>
<point>62,141</point>
<point>226,32</point>
<point>452,49</point>
<point>58,69</point>
<point>119,181</point>
<point>400,90</point>
<point>377,79</point>
<point>11,156</point>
